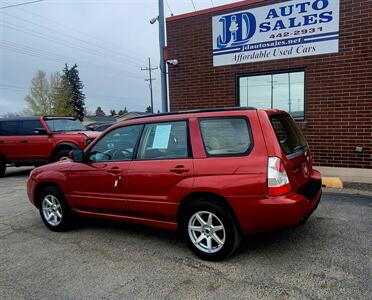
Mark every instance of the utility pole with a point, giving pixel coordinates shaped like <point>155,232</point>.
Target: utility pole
<point>150,79</point>
<point>272,91</point>
<point>163,65</point>
<point>289,92</point>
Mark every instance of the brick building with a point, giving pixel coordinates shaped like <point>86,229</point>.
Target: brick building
<point>329,94</point>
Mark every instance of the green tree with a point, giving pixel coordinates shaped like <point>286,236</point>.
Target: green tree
<point>77,100</point>
<point>113,112</point>
<point>100,112</point>
<point>122,112</point>
<point>148,109</point>
<point>39,101</point>
<point>60,93</point>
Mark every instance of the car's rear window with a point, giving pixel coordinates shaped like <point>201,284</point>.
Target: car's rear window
<point>288,133</point>
<point>226,136</point>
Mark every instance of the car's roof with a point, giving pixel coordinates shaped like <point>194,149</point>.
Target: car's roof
<point>179,115</point>
<point>32,118</point>
<point>185,114</point>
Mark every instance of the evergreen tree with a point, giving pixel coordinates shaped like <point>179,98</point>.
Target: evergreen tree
<point>100,112</point>
<point>148,109</point>
<point>113,112</point>
<point>71,75</point>
<point>39,101</point>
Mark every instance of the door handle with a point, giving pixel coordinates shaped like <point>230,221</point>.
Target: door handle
<point>115,170</point>
<point>24,142</point>
<point>179,169</point>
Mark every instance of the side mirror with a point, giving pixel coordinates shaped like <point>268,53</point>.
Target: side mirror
<point>77,155</point>
<point>40,131</point>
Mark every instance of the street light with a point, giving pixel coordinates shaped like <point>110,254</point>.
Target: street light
<point>153,20</point>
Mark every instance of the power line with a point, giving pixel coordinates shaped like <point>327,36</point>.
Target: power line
<point>193,4</point>
<point>49,56</point>
<point>20,4</point>
<point>74,29</point>
<point>123,56</point>
<point>150,79</point>
<point>169,8</point>
<point>63,42</point>
<point>20,88</point>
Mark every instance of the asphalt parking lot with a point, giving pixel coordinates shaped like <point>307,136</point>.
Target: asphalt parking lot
<point>328,257</point>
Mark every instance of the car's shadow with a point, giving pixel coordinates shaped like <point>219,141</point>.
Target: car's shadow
<point>284,241</point>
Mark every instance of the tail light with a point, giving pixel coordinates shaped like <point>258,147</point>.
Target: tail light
<point>277,178</point>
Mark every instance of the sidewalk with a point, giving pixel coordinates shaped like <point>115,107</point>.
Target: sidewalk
<point>347,175</point>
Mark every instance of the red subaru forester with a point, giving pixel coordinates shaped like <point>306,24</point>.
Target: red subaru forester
<point>213,174</point>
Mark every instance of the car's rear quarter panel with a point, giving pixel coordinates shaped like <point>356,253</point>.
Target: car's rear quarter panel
<point>239,179</point>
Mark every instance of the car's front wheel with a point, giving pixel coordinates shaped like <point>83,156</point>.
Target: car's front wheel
<point>54,210</point>
<point>210,231</point>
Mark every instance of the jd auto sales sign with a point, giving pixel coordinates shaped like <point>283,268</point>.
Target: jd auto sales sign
<point>284,30</point>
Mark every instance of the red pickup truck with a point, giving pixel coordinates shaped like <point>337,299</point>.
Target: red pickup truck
<point>26,141</point>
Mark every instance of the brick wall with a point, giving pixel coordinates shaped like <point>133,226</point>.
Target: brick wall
<point>338,87</point>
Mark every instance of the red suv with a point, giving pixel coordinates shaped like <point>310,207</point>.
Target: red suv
<point>215,175</point>
<point>37,140</point>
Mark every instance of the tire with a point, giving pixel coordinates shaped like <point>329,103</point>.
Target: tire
<point>221,230</point>
<point>54,210</point>
<point>61,155</point>
<point>2,167</point>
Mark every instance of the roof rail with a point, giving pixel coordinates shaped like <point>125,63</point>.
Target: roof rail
<point>181,112</point>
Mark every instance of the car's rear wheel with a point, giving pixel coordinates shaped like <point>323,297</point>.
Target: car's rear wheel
<point>210,231</point>
<point>2,167</point>
<point>61,155</point>
<point>54,210</point>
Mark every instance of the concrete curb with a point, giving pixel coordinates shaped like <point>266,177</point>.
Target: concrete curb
<point>332,182</point>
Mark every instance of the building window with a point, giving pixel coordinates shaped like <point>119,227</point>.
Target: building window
<point>284,91</point>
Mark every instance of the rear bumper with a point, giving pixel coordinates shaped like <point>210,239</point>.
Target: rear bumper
<point>257,215</point>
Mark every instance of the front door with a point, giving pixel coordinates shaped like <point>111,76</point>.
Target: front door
<point>161,172</point>
<point>100,184</point>
<point>32,146</point>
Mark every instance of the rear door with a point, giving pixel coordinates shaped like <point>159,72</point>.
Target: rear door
<point>162,171</point>
<point>298,159</point>
<point>9,140</point>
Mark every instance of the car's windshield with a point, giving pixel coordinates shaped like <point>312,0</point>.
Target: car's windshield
<point>58,125</point>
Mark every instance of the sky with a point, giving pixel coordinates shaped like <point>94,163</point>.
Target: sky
<point>109,40</point>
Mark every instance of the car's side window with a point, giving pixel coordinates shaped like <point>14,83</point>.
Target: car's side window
<point>166,140</point>
<point>117,145</point>
<point>9,128</point>
<point>28,127</point>
<point>226,136</point>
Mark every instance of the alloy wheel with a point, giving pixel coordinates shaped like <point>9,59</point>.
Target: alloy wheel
<point>206,232</point>
<point>52,210</point>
